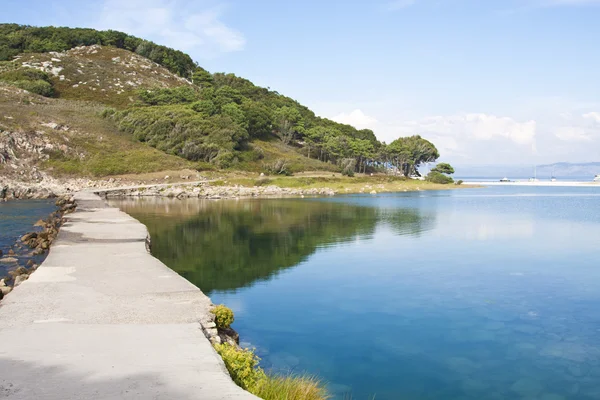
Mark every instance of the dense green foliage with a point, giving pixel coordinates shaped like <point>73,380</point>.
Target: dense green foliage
<point>440,174</point>
<point>444,168</point>
<point>242,365</point>
<point>16,39</point>
<point>215,122</point>
<point>438,177</point>
<point>223,316</point>
<point>32,80</point>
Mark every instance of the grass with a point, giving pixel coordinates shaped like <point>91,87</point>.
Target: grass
<point>242,365</point>
<point>294,387</point>
<point>335,181</point>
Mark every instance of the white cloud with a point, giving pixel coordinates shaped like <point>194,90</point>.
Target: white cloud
<point>573,133</point>
<point>173,23</point>
<point>483,127</point>
<point>357,119</point>
<point>594,116</point>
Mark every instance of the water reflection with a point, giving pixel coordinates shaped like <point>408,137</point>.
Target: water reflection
<point>227,245</point>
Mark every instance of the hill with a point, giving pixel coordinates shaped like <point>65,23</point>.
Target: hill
<point>133,106</point>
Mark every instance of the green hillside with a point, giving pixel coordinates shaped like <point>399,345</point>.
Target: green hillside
<point>159,97</point>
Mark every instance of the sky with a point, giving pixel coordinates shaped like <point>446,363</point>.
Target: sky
<point>487,81</point>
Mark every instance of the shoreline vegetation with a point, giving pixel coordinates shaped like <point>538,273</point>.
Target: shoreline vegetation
<point>244,369</point>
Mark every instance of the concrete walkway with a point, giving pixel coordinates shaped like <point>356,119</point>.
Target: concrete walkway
<point>103,319</point>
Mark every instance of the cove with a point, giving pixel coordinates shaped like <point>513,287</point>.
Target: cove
<point>470,294</point>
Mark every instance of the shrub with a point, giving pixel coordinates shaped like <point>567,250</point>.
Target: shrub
<point>40,87</point>
<point>459,182</point>
<point>278,167</point>
<point>32,80</point>
<point>223,316</point>
<point>242,365</point>
<point>348,166</point>
<point>437,177</point>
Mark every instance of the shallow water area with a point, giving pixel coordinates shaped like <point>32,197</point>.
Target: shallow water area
<point>485,293</point>
<point>17,217</point>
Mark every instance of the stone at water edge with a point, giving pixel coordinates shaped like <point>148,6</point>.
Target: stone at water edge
<point>30,264</point>
<point>28,236</point>
<point>20,279</point>
<point>11,252</point>
<point>5,290</point>
<point>8,260</point>
<point>1,253</point>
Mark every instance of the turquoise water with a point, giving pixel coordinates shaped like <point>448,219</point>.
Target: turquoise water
<point>471,294</point>
<point>17,218</point>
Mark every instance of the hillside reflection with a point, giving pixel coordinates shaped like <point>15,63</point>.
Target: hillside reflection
<point>226,245</point>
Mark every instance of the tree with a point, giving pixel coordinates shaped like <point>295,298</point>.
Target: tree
<point>288,122</point>
<point>202,78</point>
<point>408,153</point>
<point>443,168</point>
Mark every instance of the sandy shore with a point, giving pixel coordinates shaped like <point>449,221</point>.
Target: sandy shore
<point>537,183</point>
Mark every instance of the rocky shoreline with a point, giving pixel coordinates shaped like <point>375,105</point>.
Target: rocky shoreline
<point>207,191</point>
<point>38,241</point>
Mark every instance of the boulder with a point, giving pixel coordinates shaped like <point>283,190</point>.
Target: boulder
<point>28,236</point>
<point>20,270</point>
<point>11,252</point>
<point>30,263</point>
<point>20,279</point>
<point>5,290</point>
<point>8,260</point>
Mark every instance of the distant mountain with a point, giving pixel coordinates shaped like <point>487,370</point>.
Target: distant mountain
<point>559,170</point>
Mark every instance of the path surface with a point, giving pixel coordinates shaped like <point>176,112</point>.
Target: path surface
<point>103,319</point>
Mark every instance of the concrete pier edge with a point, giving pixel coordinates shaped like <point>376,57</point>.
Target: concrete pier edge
<point>102,318</point>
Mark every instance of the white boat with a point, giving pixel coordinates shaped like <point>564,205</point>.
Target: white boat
<point>504,180</point>
<point>597,178</point>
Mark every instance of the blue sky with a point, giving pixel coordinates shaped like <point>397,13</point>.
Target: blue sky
<point>488,81</point>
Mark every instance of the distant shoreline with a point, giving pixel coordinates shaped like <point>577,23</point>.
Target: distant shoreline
<point>537,183</point>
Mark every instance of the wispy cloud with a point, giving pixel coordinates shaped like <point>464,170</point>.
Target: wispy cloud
<point>174,23</point>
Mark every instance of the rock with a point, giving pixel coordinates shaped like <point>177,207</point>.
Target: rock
<point>8,260</point>
<point>40,222</point>
<point>30,263</point>
<point>3,282</point>
<point>20,279</point>
<point>373,192</point>
<point>5,290</point>
<point>209,325</point>
<point>28,236</point>
<point>11,252</point>
<point>1,253</point>
<point>18,271</point>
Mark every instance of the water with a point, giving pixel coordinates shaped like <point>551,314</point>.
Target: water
<point>17,218</point>
<point>469,294</point>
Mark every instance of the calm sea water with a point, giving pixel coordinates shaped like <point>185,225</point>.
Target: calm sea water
<point>17,218</point>
<point>470,294</point>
